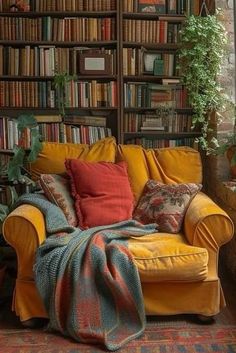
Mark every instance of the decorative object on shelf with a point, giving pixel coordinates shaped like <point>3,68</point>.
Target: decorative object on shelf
<point>148,61</point>
<point>95,64</point>
<point>158,6</point>
<point>153,63</point>
<point>20,5</point>
<point>203,46</point>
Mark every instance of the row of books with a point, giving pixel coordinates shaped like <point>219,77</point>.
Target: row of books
<point>142,94</point>
<point>60,5</point>
<point>138,61</point>
<point>159,31</point>
<point>56,132</point>
<point>48,28</point>
<point>45,60</point>
<point>161,143</point>
<point>43,95</point>
<point>170,122</point>
<point>53,132</point>
<point>176,7</point>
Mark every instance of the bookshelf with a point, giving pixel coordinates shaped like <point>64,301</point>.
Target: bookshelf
<point>155,110</point>
<point>48,37</point>
<point>111,46</point>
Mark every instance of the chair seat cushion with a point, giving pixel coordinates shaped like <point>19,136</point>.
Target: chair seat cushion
<point>168,257</point>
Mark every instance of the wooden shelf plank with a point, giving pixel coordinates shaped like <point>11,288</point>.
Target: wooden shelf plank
<point>59,14</point>
<point>17,43</point>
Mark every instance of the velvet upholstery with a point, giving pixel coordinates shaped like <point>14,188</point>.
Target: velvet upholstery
<point>179,272</point>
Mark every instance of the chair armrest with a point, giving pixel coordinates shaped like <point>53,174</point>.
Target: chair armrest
<point>24,230</point>
<point>206,225</point>
<point>205,221</point>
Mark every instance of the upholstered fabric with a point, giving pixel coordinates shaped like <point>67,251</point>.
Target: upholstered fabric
<point>168,257</point>
<point>57,189</point>
<point>138,172</point>
<point>51,159</point>
<point>168,165</point>
<point>206,226</point>
<point>174,165</point>
<point>165,204</point>
<point>173,296</point>
<point>101,191</point>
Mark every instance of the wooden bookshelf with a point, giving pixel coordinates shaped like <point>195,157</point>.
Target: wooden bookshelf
<point>47,38</point>
<point>147,36</point>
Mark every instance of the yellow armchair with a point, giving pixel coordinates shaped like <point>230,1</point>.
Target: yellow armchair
<point>178,272</point>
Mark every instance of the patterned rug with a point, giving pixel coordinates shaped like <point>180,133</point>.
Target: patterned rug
<point>156,339</point>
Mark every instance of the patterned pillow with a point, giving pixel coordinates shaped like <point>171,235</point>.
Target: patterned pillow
<point>165,204</point>
<point>57,189</point>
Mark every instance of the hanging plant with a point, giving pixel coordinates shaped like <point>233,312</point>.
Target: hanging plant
<point>60,82</point>
<point>203,48</point>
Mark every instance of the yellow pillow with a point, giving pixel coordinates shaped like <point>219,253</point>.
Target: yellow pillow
<point>167,165</point>
<point>136,165</point>
<point>51,159</point>
<point>179,165</point>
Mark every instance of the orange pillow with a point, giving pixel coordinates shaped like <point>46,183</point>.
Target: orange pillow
<point>102,192</point>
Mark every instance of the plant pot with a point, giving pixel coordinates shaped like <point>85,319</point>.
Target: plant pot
<point>230,153</point>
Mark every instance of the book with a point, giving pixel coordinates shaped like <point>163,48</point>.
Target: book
<point>85,120</point>
<point>158,67</point>
<point>48,118</point>
<point>154,128</point>
<point>158,6</point>
<point>170,81</point>
<point>172,7</point>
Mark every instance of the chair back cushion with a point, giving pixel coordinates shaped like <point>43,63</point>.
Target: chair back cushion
<point>51,159</point>
<point>167,165</point>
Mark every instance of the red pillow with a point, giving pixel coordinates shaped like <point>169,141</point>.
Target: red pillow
<point>102,192</point>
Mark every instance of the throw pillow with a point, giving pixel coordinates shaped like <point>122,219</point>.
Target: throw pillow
<point>57,190</point>
<point>102,192</point>
<point>165,204</point>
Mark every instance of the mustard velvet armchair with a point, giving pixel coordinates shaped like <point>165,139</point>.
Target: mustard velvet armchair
<point>178,272</point>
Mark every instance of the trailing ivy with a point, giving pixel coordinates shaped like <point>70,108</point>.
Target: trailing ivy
<point>203,48</point>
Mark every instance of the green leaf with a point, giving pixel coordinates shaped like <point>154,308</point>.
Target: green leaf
<point>36,145</point>
<point>26,121</point>
<point>203,47</point>
<point>15,164</point>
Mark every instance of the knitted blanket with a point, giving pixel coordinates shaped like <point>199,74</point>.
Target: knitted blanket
<point>87,279</point>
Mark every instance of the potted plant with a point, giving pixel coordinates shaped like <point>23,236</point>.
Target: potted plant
<point>13,172</point>
<point>203,47</point>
